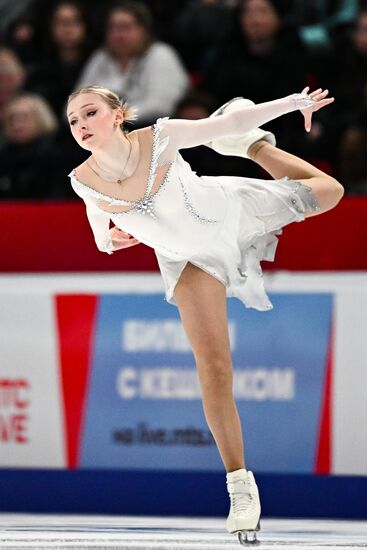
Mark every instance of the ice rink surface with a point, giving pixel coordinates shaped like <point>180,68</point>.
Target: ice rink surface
<point>24,531</point>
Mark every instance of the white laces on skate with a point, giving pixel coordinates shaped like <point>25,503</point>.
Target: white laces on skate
<point>240,495</point>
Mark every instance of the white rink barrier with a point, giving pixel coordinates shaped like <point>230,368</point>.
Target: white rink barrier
<point>96,371</point>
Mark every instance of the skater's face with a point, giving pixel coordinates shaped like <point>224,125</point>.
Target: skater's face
<point>92,121</point>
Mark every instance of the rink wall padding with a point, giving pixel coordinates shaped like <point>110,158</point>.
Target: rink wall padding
<point>176,494</point>
<point>58,239</point>
<point>100,405</point>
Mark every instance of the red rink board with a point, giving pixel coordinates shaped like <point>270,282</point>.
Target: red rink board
<point>56,237</point>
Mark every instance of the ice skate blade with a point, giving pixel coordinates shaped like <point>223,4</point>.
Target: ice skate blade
<point>248,538</point>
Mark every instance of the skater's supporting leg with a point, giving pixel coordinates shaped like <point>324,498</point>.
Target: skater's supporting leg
<point>202,304</point>
<point>326,189</point>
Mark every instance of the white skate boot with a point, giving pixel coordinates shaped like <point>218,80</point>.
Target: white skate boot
<point>244,514</point>
<point>238,145</point>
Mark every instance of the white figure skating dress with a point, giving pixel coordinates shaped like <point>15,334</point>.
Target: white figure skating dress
<point>224,225</point>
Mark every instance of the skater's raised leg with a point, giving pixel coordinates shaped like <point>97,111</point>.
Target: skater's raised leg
<point>326,189</point>
<point>259,146</point>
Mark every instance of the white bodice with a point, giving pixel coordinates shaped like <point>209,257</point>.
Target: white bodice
<point>182,217</point>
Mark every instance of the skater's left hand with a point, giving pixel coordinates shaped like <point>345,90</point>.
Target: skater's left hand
<point>321,101</point>
<point>121,239</point>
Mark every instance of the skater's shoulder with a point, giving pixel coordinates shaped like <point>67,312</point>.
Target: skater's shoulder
<point>81,172</point>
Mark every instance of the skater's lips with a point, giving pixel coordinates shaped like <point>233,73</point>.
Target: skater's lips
<point>86,136</point>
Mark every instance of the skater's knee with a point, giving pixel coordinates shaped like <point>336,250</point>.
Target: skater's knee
<point>326,190</point>
<point>331,193</point>
<point>215,371</point>
<point>337,190</point>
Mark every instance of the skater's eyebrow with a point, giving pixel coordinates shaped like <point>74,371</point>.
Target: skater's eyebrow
<point>86,105</point>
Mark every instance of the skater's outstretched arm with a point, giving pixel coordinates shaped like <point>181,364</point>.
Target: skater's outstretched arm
<point>190,133</point>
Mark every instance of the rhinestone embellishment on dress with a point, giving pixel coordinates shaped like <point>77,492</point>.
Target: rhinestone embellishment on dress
<point>191,209</point>
<point>145,206</point>
<point>304,195</point>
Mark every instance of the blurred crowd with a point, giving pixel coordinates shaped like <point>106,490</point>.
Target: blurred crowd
<point>183,59</point>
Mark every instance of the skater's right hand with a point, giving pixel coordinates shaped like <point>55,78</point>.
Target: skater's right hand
<point>120,239</point>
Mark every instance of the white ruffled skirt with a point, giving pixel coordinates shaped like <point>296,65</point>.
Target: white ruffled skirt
<point>258,210</point>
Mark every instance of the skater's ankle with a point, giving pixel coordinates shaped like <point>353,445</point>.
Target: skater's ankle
<point>233,472</point>
<point>255,148</point>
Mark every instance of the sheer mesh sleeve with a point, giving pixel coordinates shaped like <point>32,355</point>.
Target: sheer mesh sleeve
<point>100,224</point>
<point>190,133</point>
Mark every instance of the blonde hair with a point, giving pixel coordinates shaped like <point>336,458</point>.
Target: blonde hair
<point>109,97</point>
<point>45,118</point>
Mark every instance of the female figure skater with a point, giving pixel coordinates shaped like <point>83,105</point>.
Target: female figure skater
<point>209,233</point>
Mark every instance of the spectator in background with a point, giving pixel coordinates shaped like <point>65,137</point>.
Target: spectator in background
<point>350,74</point>
<point>26,156</point>
<point>147,73</point>
<point>351,110</point>
<point>320,21</point>
<point>264,56</point>
<point>11,10</point>
<point>260,59</point>
<point>20,37</point>
<point>40,12</point>
<point>353,156</point>
<point>199,29</point>
<point>12,77</point>
<point>67,46</point>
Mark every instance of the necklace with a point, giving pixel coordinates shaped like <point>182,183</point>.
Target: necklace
<point>120,179</point>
